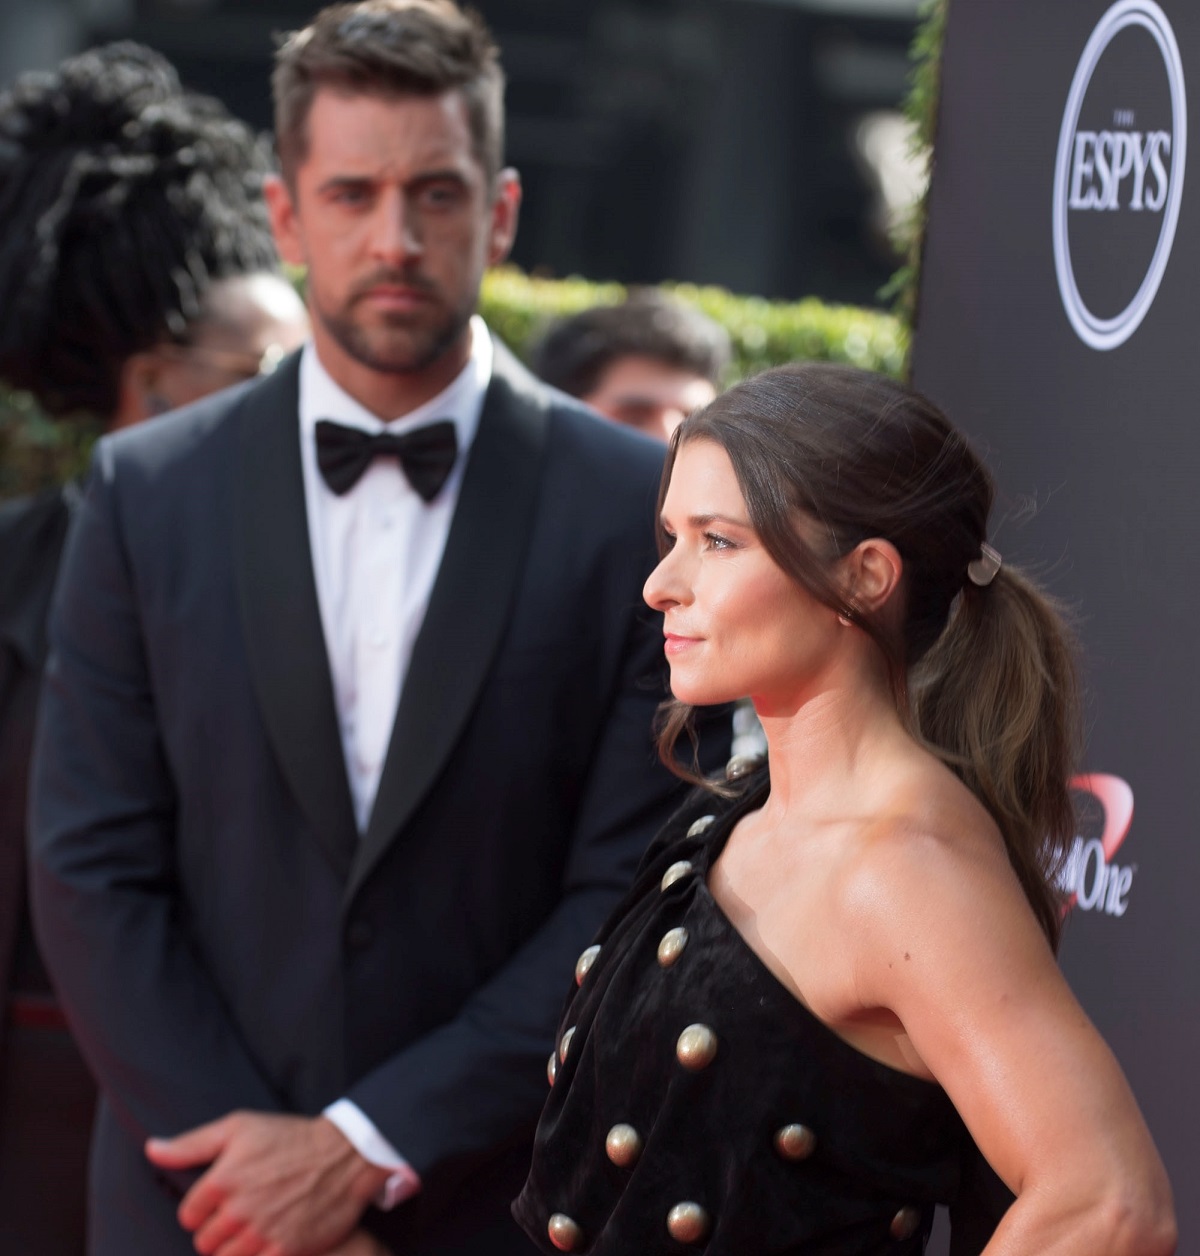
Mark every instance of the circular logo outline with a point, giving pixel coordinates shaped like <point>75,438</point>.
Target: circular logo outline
<point>1108,333</point>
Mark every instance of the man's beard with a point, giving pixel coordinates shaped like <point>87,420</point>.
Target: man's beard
<point>419,344</point>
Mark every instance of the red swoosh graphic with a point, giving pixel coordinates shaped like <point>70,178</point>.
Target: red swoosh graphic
<point>1115,796</point>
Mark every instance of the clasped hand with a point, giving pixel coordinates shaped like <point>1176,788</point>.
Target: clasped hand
<point>274,1186</point>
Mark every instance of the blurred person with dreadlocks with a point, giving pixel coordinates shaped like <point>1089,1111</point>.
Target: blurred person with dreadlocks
<point>137,273</point>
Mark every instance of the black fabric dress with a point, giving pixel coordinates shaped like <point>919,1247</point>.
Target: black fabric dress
<point>786,1141</point>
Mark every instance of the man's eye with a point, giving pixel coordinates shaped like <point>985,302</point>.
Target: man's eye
<point>440,195</point>
<point>350,195</point>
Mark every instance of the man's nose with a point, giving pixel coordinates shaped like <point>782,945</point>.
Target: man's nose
<point>396,236</point>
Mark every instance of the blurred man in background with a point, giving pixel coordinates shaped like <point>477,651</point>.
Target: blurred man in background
<point>647,363</point>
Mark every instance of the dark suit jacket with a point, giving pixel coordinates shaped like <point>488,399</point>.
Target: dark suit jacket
<point>46,1093</point>
<point>32,531</point>
<point>219,932</point>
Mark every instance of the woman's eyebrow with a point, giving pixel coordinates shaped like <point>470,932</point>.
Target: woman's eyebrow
<point>703,521</point>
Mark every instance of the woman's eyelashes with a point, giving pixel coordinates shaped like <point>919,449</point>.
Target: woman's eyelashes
<point>709,540</point>
<point>716,541</point>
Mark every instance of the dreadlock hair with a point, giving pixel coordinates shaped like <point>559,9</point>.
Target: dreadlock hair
<point>123,197</point>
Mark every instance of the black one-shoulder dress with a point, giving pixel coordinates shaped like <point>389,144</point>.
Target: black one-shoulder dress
<point>697,1106</point>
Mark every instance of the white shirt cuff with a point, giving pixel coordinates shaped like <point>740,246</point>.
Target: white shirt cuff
<point>403,1182</point>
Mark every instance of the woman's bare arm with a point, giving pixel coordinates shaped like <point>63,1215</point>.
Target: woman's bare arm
<point>944,939</point>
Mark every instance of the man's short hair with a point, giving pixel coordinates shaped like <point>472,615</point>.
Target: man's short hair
<point>575,352</point>
<point>390,48</point>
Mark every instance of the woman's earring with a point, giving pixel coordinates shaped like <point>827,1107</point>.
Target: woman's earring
<point>845,622</point>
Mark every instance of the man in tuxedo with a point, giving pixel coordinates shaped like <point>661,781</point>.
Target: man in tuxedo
<point>345,747</point>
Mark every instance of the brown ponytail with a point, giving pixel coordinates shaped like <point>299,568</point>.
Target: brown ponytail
<point>996,696</point>
<point>986,674</point>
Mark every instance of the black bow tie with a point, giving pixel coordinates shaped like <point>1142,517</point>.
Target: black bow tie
<point>427,454</point>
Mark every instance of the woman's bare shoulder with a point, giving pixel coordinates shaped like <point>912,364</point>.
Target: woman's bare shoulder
<point>929,882</point>
<point>927,820</point>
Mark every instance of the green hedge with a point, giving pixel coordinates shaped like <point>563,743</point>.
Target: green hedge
<point>764,333</point>
<point>35,452</point>
<point>921,108</point>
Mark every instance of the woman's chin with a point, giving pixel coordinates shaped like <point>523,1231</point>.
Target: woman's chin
<point>696,693</point>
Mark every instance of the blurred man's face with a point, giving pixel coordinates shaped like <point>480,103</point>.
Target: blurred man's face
<point>648,394</point>
<point>246,325</point>
<point>249,323</point>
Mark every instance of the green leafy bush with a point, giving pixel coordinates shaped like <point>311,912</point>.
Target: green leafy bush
<point>35,452</point>
<point>921,108</point>
<point>764,333</point>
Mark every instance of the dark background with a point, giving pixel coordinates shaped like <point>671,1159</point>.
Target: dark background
<point>699,140</point>
<point>1104,449</point>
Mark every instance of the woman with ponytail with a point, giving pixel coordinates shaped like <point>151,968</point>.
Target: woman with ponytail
<point>830,1002</point>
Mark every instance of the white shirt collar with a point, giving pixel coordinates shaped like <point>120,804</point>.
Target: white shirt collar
<point>461,401</point>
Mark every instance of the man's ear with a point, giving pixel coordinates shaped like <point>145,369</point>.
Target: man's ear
<point>285,226</point>
<point>139,390</point>
<point>871,574</point>
<point>506,208</point>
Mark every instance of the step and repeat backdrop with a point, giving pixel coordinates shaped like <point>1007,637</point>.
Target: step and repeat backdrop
<point>1059,325</point>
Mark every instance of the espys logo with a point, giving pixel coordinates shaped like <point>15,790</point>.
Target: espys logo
<point>1090,877</point>
<point>1118,177</point>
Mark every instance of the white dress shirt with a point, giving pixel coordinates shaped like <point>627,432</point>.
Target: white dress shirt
<point>376,551</point>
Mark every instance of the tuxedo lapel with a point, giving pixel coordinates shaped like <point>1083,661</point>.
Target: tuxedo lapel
<point>281,619</point>
<point>470,602</point>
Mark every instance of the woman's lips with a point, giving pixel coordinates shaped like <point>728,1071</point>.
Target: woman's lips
<point>675,644</point>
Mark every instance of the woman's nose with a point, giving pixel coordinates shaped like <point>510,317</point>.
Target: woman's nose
<point>664,586</point>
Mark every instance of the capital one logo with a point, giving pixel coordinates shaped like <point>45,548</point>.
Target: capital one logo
<point>1118,176</point>
<point>1091,877</point>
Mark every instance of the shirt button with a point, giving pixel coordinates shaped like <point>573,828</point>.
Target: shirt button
<point>378,638</point>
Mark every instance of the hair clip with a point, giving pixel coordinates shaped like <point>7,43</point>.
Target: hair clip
<point>982,570</point>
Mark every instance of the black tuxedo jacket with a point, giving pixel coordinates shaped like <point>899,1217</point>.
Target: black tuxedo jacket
<point>221,935</point>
